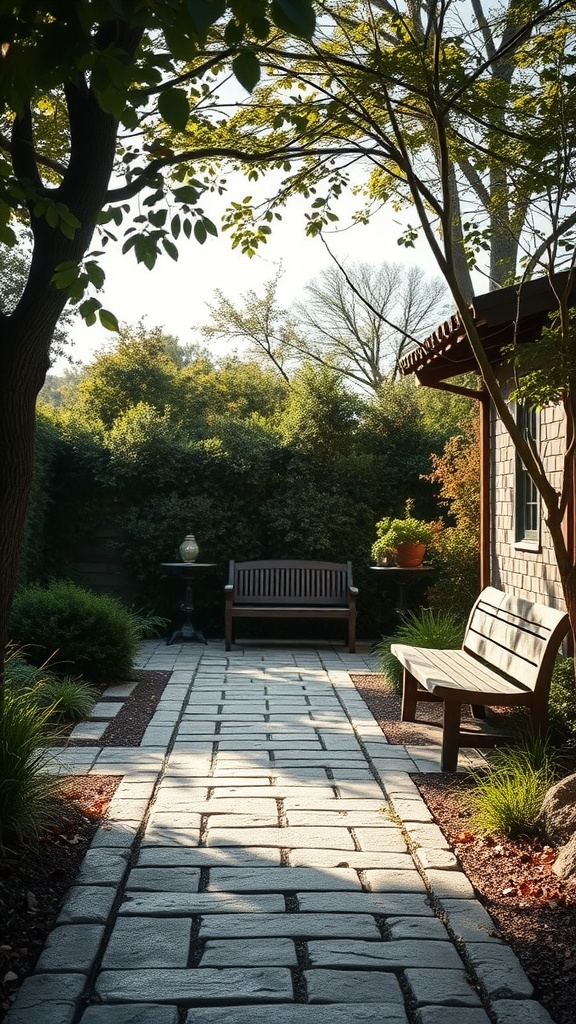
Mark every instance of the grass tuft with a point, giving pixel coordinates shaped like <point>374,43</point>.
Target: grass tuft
<point>507,797</point>
<point>27,793</point>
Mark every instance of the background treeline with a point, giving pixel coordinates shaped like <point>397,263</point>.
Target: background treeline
<point>153,441</point>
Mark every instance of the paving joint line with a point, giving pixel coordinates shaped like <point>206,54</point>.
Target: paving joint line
<point>88,994</point>
<point>433,899</point>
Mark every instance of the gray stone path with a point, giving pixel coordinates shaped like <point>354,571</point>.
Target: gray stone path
<point>269,861</point>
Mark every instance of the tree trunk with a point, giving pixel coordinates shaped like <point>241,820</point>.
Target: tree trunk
<point>22,372</point>
<point>26,334</point>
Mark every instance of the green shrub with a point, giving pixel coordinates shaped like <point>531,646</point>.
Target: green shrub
<point>562,703</point>
<point>457,571</point>
<point>27,792</point>
<point>91,633</point>
<point>426,628</point>
<point>507,797</point>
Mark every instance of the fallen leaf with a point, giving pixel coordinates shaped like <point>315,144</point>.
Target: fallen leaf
<point>32,902</point>
<point>464,837</point>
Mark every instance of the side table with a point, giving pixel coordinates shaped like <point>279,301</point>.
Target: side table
<point>402,576</point>
<point>187,571</point>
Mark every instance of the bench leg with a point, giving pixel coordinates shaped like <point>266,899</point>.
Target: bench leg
<point>450,735</point>
<point>539,720</point>
<point>352,634</point>
<point>228,629</point>
<point>409,697</point>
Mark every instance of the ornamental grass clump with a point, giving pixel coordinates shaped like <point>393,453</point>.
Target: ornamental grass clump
<point>507,797</point>
<point>425,628</point>
<point>27,791</point>
<point>70,700</point>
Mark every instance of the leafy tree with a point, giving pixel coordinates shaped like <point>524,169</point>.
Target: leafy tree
<point>426,97</point>
<point>139,369</point>
<point>464,113</point>
<point>355,320</point>
<point>457,473</point>
<point>359,319</point>
<point>236,388</point>
<point>88,91</point>
<point>259,319</point>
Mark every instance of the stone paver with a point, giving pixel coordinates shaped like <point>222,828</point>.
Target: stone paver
<point>336,1013</point>
<point>265,952</point>
<point>302,926</point>
<point>148,942</point>
<point>251,872</point>
<point>204,985</point>
<point>281,879</point>
<point>137,1013</point>
<point>447,987</point>
<point>325,986</point>
<point>71,947</point>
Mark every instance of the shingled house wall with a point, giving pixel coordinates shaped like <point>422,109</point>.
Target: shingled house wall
<point>527,573</point>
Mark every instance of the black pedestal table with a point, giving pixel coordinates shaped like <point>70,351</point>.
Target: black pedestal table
<point>188,573</point>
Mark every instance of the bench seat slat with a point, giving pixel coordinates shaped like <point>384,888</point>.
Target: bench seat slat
<point>441,671</point>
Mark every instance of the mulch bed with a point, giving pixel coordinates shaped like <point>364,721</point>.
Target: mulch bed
<point>532,909</point>
<point>34,880</point>
<point>127,728</point>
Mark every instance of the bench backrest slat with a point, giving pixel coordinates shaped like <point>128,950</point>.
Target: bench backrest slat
<point>516,637</point>
<point>287,582</point>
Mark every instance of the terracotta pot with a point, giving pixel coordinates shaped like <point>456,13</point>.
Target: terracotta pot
<point>410,554</point>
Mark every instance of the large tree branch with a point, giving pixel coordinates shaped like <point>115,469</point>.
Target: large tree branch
<point>561,228</point>
<point>509,45</point>
<point>484,27</point>
<point>41,158</point>
<point>188,76</point>
<point>132,189</point>
<point>22,149</point>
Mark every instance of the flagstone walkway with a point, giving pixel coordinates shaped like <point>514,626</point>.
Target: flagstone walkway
<point>269,861</point>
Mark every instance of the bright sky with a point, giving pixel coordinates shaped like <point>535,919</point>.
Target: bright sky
<point>174,294</point>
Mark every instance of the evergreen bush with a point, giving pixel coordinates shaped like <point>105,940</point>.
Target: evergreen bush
<point>562,703</point>
<point>90,634</point>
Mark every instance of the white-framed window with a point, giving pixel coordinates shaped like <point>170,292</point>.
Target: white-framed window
<point>527,524</point>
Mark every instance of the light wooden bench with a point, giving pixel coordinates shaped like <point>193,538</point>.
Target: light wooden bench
<point>284,589</point>
<point>506,660</point>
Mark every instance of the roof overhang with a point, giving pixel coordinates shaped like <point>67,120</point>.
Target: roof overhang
<point>515,314</point>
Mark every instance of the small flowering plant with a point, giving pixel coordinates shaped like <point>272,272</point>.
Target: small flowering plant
<point>392,532</point>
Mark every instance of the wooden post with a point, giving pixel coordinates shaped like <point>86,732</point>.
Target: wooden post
<point>484,403</point>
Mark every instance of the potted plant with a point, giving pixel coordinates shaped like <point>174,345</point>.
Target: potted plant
<point>404,539</point>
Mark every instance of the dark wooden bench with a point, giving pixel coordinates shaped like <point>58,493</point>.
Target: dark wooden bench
<point>506,660</point>
<point>285,589</point>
